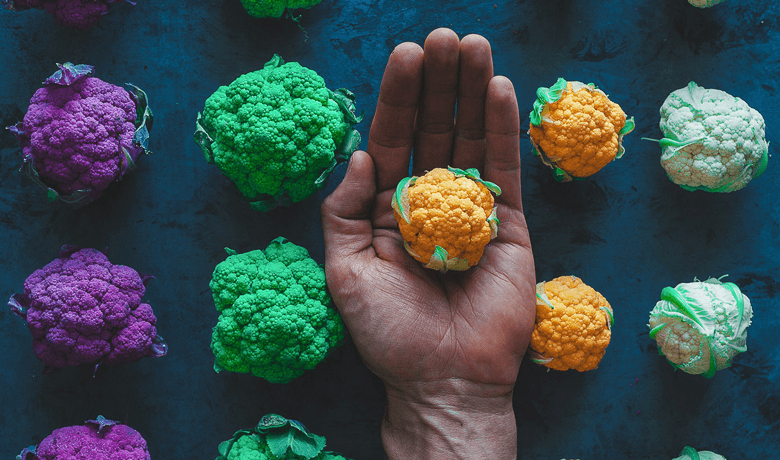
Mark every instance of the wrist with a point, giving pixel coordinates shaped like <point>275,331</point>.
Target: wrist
<point>450,419</point>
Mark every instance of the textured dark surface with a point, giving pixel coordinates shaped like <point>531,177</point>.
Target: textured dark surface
<point>628,231</point>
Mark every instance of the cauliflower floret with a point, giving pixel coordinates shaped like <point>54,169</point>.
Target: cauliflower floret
<point>712,140</point>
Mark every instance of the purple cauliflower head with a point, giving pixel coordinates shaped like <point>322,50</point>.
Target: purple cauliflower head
<point>77,14</point>
<point>80,134</point>
<point>81,308</point>
<point>99,439</point>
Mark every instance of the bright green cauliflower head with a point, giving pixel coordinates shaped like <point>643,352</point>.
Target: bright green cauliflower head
<point>701,326</point>
<point>274,8</point>
<point>276,317</point>
<point>276,437</point>
<point>277,133</point>
<point>712,141</point>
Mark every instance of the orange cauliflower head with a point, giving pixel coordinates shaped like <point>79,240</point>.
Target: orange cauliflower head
<point>573,325</point>
<point>576,129</point>
<point>446,217</point>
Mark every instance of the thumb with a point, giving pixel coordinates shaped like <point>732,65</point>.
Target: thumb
<point>346,212</point>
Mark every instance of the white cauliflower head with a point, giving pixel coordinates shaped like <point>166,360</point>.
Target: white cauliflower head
<point>689,453</point>
<point>701,326</point>
<point>712,141</point>
<point>704,3</point>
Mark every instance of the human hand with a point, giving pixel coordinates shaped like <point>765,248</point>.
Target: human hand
<point>447,346</point>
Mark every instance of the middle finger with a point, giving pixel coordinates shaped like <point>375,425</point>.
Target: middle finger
<point>435,123</point>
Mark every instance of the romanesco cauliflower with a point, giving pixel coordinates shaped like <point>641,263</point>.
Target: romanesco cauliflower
<point>712,141</point>
<point>277,318</point>
<point>701,326</point>
<point>277,133</point>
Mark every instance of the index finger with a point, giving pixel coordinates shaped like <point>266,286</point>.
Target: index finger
<point>391,137</point>
<point>476,71</point>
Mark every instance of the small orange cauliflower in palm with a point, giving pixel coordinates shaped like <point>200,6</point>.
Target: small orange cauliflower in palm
<point>576,129</point>
<point>446,217</point>
<point>573,325</point>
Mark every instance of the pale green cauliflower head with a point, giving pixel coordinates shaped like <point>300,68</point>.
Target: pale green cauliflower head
<point>689,453</point>
<point>704,3</point>
<point>712,141</point>
<point>699,327</point>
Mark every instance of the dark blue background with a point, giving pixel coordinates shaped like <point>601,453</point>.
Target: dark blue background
<point>628,231</point>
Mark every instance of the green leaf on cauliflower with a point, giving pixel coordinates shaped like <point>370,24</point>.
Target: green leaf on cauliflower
<point>689,453</point>
<point>276,438</point>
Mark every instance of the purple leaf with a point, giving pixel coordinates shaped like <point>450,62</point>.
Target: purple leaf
<point>67,250</point>
<point>102,422</point>
<point>28,453</point>
<point>159,348</point>
<point>48,370</point>
<point>19,304</point>
<point>145,277</point>
<point>69,73</point>
<point>18,131</point>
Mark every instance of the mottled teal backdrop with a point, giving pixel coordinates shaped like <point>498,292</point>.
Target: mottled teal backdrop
<point>628,231</point>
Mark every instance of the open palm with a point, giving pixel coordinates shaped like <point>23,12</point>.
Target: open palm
<point>417,329</point>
